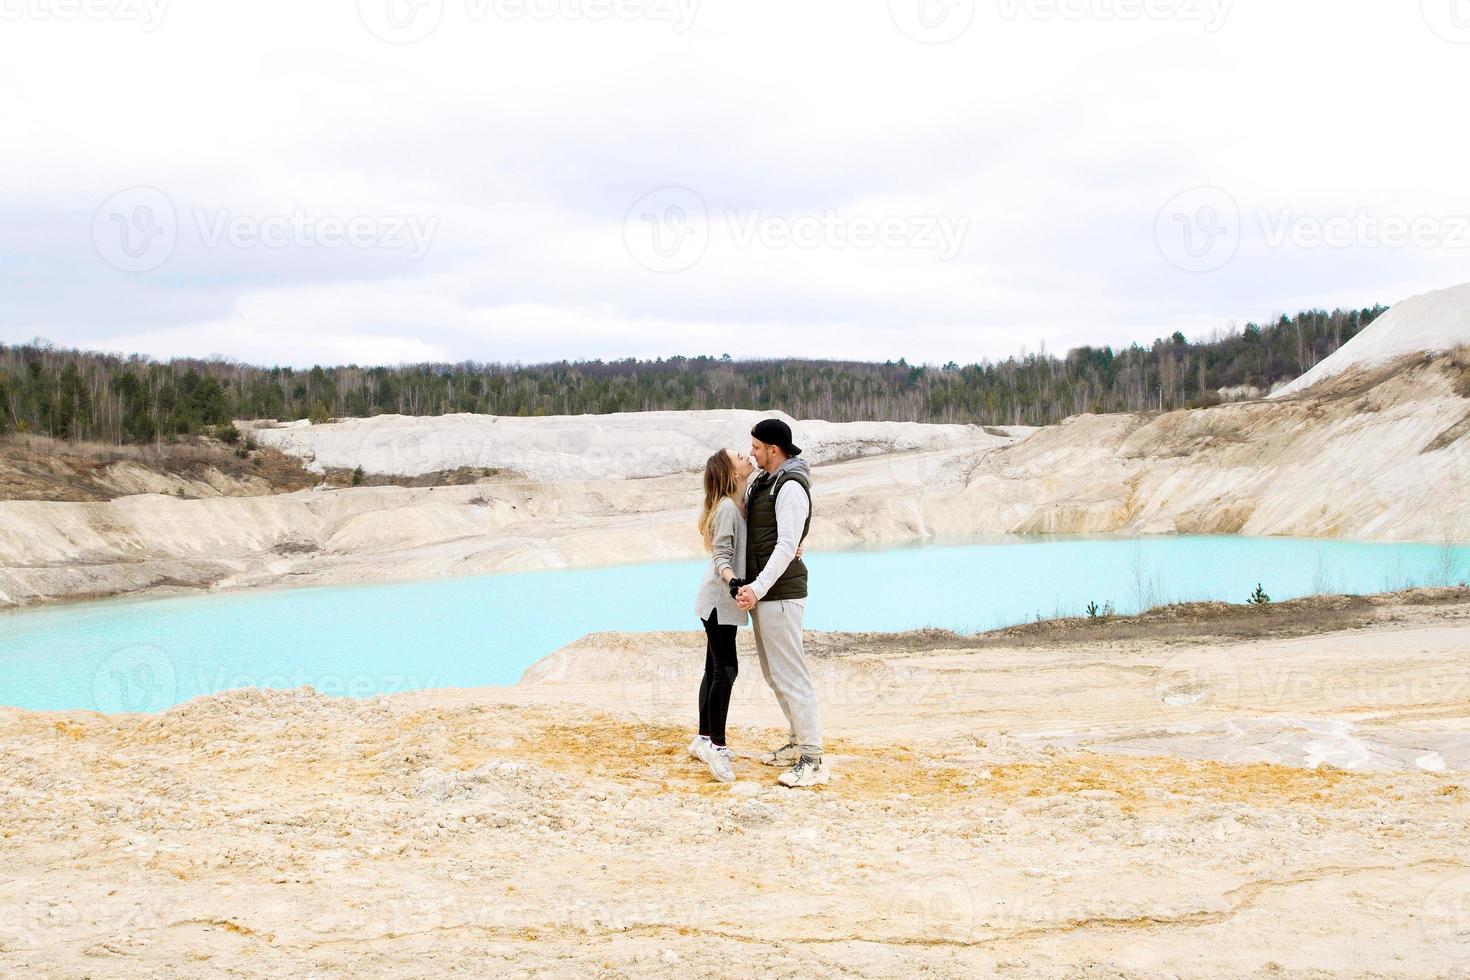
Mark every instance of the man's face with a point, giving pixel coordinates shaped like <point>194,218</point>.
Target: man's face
<point>760,452</point>
<point>766,456</point>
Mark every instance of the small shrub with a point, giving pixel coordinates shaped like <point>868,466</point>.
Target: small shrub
<point>1207,399</point>
<point>227,433</point>
<point>1259,597</point>
<point>320,415</point>
<point>1105,611</point>
<point>357,476</point>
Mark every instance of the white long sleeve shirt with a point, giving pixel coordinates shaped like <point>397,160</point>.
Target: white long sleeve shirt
<point>792,508</point>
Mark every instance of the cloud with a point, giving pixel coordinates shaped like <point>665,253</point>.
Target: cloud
<point>1052,140</point>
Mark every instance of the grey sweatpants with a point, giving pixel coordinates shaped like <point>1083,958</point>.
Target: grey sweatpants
<point>783,663</point>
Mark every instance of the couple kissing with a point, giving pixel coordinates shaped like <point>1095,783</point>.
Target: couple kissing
<point>756,514</point>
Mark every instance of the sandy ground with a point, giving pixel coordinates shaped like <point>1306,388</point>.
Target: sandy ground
<point>1205,791</point>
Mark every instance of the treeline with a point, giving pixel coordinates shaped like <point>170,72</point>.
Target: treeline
<point>86,395</point>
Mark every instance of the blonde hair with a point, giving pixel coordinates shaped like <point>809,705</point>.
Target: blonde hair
<point>720,481</point>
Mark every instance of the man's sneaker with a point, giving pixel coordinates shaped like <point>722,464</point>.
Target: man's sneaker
<point>722,764</point>
<point>786,756</point>
<point>699,748</point>
<point>808,771</point>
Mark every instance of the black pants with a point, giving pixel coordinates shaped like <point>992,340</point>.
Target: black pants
<point>720,669</point>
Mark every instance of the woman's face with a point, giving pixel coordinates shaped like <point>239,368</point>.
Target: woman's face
<point>742,463</point>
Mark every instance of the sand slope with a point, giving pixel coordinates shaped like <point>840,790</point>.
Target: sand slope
<point>1429,323</point>
<point>1378,454</point>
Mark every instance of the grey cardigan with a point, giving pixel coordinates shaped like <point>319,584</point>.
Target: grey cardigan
<point>729,552</point>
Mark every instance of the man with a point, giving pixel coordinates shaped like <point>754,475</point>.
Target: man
<point>778,516</point>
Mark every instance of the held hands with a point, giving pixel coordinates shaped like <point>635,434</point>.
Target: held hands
<point>741,591</point>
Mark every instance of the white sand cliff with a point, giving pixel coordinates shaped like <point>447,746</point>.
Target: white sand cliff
<point>1375,453</point>
<point>626,445</point>
<point>1376,449</point>
<point>1430,323</point>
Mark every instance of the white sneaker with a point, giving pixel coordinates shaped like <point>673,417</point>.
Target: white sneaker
<point>721,763</point>
<point>699,748</point>
<point>786,756</point>
<point>808,771</point>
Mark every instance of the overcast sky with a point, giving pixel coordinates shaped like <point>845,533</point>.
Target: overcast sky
<point>398,180</point>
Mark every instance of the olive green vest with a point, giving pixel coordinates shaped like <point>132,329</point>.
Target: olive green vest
<point>760,536</point>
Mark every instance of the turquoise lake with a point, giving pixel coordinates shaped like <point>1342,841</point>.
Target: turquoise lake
<point>145,655</point>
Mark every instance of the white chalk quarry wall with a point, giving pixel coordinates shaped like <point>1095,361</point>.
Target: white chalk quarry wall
<point>1386,463</point>
<point>1431,322</point>
<point>587,447</point>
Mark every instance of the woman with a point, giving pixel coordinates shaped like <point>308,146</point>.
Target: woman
<point>722,528</point>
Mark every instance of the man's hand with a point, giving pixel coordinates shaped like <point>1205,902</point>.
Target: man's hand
<point>745,598</point>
